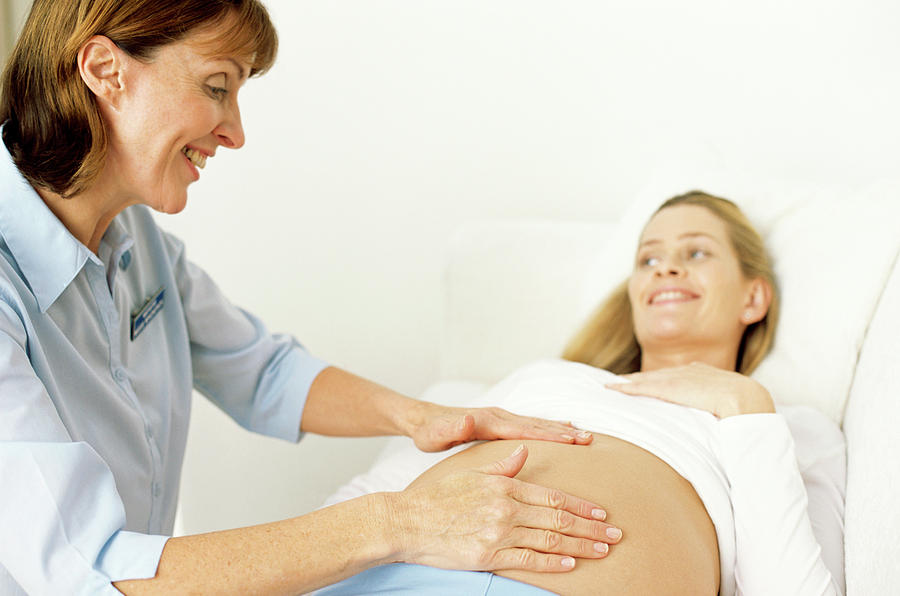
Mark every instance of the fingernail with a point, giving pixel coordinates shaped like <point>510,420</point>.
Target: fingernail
<point>614,533</point>
<point>584,435</point>
<point>519,449</point>
<point>601,547</point>
<point>568,437</point>
<point>598,514</point>
<point>568,562</point>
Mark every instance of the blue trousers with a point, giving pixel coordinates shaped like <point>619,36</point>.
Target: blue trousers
<point>402,579</point>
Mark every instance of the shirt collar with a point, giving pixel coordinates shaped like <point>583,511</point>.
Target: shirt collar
<point>115,250</point>
<point>48,255</point>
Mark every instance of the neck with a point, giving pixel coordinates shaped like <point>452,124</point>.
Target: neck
<point>655,358</point>
<point>86,215</point>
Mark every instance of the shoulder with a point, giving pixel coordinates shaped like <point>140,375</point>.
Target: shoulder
<point>15,295</point>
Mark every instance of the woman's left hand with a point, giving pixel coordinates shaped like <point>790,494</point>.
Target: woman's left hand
<point>697,385</point>
<point>440,427</point>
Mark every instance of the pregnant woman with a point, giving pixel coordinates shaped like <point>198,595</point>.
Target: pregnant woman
<point>715,491</point>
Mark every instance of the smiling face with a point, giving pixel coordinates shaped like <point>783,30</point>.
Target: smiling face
<point>171,115</point>
<point>687,292</point>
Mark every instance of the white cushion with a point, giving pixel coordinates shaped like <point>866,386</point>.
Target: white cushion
<point>832,250</point>
<point>871,515</point>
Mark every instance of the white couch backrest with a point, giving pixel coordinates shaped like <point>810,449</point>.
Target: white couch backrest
<point>871,420</point>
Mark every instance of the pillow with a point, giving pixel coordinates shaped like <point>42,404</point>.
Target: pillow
<point>832,249</point>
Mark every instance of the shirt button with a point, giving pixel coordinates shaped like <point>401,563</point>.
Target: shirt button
<point>119,374</point>
<point>157,490</point>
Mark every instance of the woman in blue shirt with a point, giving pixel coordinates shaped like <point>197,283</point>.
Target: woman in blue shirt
<point>110,109</point>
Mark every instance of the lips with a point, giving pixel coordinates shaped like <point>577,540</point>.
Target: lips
<point>197,158</point>
<point>669,295</point>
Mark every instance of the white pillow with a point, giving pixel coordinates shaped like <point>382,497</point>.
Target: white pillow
<point>832,250</point>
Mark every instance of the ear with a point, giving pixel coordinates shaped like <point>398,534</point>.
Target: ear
<point>101,64</point>
<point>759,297</point>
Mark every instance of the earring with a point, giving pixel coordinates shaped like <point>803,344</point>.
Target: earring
<point>748,315</point>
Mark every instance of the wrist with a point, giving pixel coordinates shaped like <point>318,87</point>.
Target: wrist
<point>400,413</point>
<point>412,417</point>
<point>392,511</point>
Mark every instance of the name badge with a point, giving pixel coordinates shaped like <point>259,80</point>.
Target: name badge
<point>141,316</point>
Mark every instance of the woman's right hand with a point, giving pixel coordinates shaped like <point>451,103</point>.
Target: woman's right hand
<point>484,519</point>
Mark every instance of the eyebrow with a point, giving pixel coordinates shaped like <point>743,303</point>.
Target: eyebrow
<point>682,237</point>
<point>243,74</point>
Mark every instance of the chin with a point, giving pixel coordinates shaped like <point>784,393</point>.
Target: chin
<point>173,209</point>
<point>171,205</point>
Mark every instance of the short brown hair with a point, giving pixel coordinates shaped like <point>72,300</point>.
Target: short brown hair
<point>53,128</point>
<point>608,341</point>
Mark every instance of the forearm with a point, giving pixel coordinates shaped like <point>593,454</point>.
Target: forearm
<point>473,519</point>
<point>288,557</point>
<point>342,404</point>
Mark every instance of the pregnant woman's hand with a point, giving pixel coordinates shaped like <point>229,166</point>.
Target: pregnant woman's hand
<point>485,519</point>
<point>723,393</point>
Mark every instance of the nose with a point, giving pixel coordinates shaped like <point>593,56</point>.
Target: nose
<point>672,267</point>
<point>230,132</point>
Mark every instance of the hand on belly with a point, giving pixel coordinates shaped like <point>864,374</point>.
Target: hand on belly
<point>669,544</point>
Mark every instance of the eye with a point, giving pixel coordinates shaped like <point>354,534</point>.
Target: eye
<point>218,92</point>
<point>649,261</point>
<point>217,86</point>
<point>697,253</point>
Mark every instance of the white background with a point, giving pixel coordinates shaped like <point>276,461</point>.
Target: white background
<point>385,125</point>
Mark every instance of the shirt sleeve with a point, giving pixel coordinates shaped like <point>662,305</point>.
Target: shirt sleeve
<point>787,512</point>
<point>61,517</point>
<point>259,379</point>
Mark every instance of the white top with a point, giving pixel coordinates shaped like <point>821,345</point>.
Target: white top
<point>753,472</point>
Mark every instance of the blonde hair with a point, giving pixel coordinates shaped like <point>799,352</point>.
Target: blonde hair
<point>608,341</point>
<point>53,128</point>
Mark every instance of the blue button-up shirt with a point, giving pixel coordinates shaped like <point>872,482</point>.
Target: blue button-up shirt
<point>94,405</point>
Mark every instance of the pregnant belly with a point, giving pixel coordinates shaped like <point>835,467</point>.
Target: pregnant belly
<point>669,544</point>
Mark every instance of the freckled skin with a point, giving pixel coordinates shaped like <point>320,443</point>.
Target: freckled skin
<point>169,104</point>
